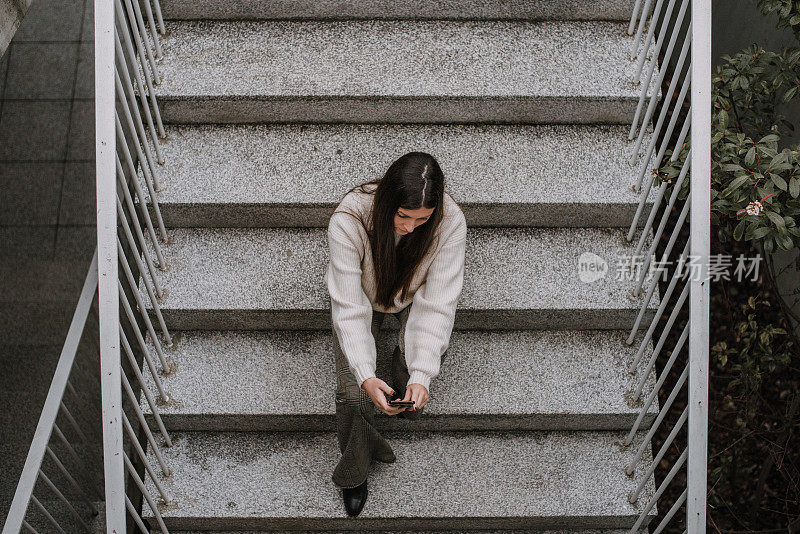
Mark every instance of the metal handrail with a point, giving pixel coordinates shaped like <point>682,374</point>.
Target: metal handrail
<point>694,80</point>
<point>53,405</point>
<point>126,71</point>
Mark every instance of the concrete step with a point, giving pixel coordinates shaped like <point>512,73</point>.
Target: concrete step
<point>581,531</point>
<point>515,278</point>
<point>551,380</point>
<point>398,71</point>
<point>448,480</point>
<point>391,9</point>
<point>293,174</point>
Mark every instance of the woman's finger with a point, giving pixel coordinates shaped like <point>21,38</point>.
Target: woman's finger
<point>380,400</point>
<point>423,397</point>
<point>390,410</point>
<point>410,392</point>
<point>407,396</point>
<point>416,396</point>
<point>384,387</point>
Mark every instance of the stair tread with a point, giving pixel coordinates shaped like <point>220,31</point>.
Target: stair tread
<point>574,175</point>
<point>508,272</point>
<point>548,379</point>
<point>457,9</point>
<point>397,58</point>
<point>240,480</point>
<point>515,531</point>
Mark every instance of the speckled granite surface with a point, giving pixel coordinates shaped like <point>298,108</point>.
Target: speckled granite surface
<point>537,380</point>
<point>397,71</point>
<point>581,531</point>
<point>295,174</point>
<point>458,9</point>
<point>534,144</point>
<point>253,480</point>
<point>226,278</point>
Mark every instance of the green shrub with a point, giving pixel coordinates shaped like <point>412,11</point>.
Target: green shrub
<point>755,183</point>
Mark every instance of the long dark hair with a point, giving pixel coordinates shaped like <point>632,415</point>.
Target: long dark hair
<point>412,181</point>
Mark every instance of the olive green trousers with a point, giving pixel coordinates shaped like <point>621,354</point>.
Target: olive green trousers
<point>359,440</point>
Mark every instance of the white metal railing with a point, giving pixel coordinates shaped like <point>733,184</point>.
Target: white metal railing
<point>690,24</point>
<point>126,111</point>
<point>126,70</point>
<point>49,441</point>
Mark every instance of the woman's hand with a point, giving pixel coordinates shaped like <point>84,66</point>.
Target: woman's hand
<point>375,388</point>
<point>418,393</point>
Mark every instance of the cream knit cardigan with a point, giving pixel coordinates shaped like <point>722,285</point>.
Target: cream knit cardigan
<point>434,290</point>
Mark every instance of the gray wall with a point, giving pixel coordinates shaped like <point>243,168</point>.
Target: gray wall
<point>47,212</point>
<point>739,23</point>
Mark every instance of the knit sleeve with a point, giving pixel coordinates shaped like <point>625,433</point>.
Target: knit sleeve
<point>433,309</point>
<point>351,310</point>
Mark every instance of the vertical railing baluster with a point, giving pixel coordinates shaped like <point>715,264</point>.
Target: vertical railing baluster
<point>122,66</point>
<point>87,474</point>
<point>151,21</point>
<point>640,29</point>
<point>695,84</point>
<point>157,9</point>
<point>60,496</point>
<point>47,514</point>
<point>115,68</point>
<point>700,235</point>
<point>139,33</point>
<point>74,483</point>
<point>108,300</point>
<point>132,59</point>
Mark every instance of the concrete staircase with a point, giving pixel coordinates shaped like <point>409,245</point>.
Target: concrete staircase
<point>275,109</point>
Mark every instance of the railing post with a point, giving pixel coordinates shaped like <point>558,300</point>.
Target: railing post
<point>108,297</point>
<point>700,249</point>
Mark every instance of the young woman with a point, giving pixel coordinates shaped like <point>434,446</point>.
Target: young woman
<point>396,246</point>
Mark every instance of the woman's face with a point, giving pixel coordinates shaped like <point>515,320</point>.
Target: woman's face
<point>406,220</point>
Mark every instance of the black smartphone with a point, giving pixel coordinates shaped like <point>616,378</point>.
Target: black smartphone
<point>398,402</point>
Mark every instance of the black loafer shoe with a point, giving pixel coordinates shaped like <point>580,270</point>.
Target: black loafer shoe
<point>354,498</point>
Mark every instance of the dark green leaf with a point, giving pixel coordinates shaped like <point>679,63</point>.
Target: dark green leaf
<point>750,157</point>
<point>776,219</point>
<point>779,182</point>
<point>731,167</point>
<point>784,241</point>
<point>780,158</point>
<point>723,119</point>
<point>734,185</point>
<point>758,233</point>
<point>739,230</point>
<point>769,245</point>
